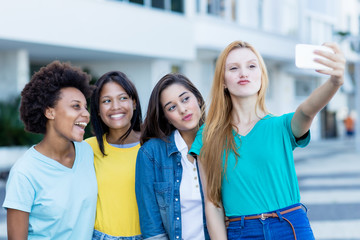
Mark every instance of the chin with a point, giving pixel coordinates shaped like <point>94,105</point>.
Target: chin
<point>78,139</point>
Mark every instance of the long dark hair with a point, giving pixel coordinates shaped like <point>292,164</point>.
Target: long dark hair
<point>156,125</point>
<point>99,127</point>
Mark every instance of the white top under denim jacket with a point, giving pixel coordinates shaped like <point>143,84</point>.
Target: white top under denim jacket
<point>157,186</point>
<point>190,196</point>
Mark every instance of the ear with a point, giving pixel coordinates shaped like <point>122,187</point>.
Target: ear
<point>50,113</point>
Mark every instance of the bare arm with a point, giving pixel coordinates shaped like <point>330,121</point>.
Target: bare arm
<point>17,224</point>
<point>215,218</point>
<point>307,110</point>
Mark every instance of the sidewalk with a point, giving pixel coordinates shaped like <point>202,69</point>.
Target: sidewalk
<point>329,180</point>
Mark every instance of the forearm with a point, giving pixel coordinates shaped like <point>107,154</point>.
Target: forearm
<point>215,220</point>
<point>17,224</point>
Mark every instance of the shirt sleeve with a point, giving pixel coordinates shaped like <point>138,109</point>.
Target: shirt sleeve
<point>151,223</point>
<point>198,142</point>
<point>19,192</point>
<point>300,142</point>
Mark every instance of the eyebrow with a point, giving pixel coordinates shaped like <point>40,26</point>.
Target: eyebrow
<point>106,96</point>
<point>179,97</point>
<point>251,60</point>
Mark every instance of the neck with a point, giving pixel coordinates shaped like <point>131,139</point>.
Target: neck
<point>58,149</point>
<point>188,136</point>
<point>245,111</point>
<point>114,137</point>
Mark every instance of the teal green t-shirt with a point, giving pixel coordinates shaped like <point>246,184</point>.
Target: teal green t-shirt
<point>263,178</point>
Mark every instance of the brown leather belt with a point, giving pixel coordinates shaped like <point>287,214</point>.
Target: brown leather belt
<point>264,216</point>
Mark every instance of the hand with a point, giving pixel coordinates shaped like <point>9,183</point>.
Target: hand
<point>335,61</point>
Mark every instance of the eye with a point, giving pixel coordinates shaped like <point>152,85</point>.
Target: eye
<point>124,98</point>
<point>232,68</point>
<point>252,66</point>
<point>186,99</point>
<point>106,101</point>
<point>76,106</point>
<point>171,108</point>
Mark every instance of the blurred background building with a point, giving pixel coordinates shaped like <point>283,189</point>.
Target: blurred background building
<point>149,38</point>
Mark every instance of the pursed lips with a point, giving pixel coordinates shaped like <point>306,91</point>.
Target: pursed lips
<point>243,82</point>
<point>187,117</point>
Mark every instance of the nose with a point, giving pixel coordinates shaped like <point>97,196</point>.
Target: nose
<point>85,113</point>
<point>182,108</point>
<point>243,73</point>
<point>115,105</point>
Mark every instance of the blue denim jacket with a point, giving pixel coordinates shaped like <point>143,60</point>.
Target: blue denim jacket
<point>157,187</point>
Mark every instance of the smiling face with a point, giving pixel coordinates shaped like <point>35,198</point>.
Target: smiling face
<point>115,107</point>
<point>242,73</point>
<point>181,107</point>
<point>70,116</point>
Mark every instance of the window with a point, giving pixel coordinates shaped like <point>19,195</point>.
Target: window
<point>198,6</point>
<point>233,10</point>
<point>177,6</point>
<point>216,7</point>
<point>304,86</point>
<point>158,4</point>
<point>169,5</point>
<point>319,31</point>
<point>137,1</point>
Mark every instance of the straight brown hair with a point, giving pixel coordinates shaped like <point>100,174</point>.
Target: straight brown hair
<point>155,124</point>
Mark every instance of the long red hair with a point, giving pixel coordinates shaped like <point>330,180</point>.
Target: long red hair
<point>218,139</point>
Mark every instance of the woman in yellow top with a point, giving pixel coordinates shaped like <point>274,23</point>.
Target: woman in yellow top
<point>116,120</point>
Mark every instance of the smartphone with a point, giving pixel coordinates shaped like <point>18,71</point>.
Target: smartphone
<point>304,56</point>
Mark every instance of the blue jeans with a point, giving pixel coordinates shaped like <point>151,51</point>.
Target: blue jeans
<point>273,228</point>
<point>97,235</point>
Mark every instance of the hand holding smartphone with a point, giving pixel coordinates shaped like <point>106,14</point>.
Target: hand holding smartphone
<point>304,56</point>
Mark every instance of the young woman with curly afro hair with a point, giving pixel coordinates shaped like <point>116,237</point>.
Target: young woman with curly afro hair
<point>51,191</point>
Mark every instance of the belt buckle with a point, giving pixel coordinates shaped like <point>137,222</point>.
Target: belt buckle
<point>263,217</point>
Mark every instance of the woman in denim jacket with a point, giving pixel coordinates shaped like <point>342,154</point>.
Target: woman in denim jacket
<point>167,183</point>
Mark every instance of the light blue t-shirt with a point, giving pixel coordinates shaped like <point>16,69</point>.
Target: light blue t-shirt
<point>61,200</point>
<point>263,178</point>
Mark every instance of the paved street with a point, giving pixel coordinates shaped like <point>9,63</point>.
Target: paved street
<point>329,179</point>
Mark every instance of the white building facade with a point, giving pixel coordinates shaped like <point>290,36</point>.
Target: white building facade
<point>148,38</point>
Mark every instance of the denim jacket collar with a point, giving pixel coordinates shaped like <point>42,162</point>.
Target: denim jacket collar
<point>170,144</point>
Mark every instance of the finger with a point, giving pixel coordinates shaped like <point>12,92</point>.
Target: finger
<point>330,72</point>
<point>325,62</point>
<point>326,54</point>
<point>331,60</point>
<point>333,46</point>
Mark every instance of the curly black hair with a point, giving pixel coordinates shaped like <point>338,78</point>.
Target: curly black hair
<point>43,91</point>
